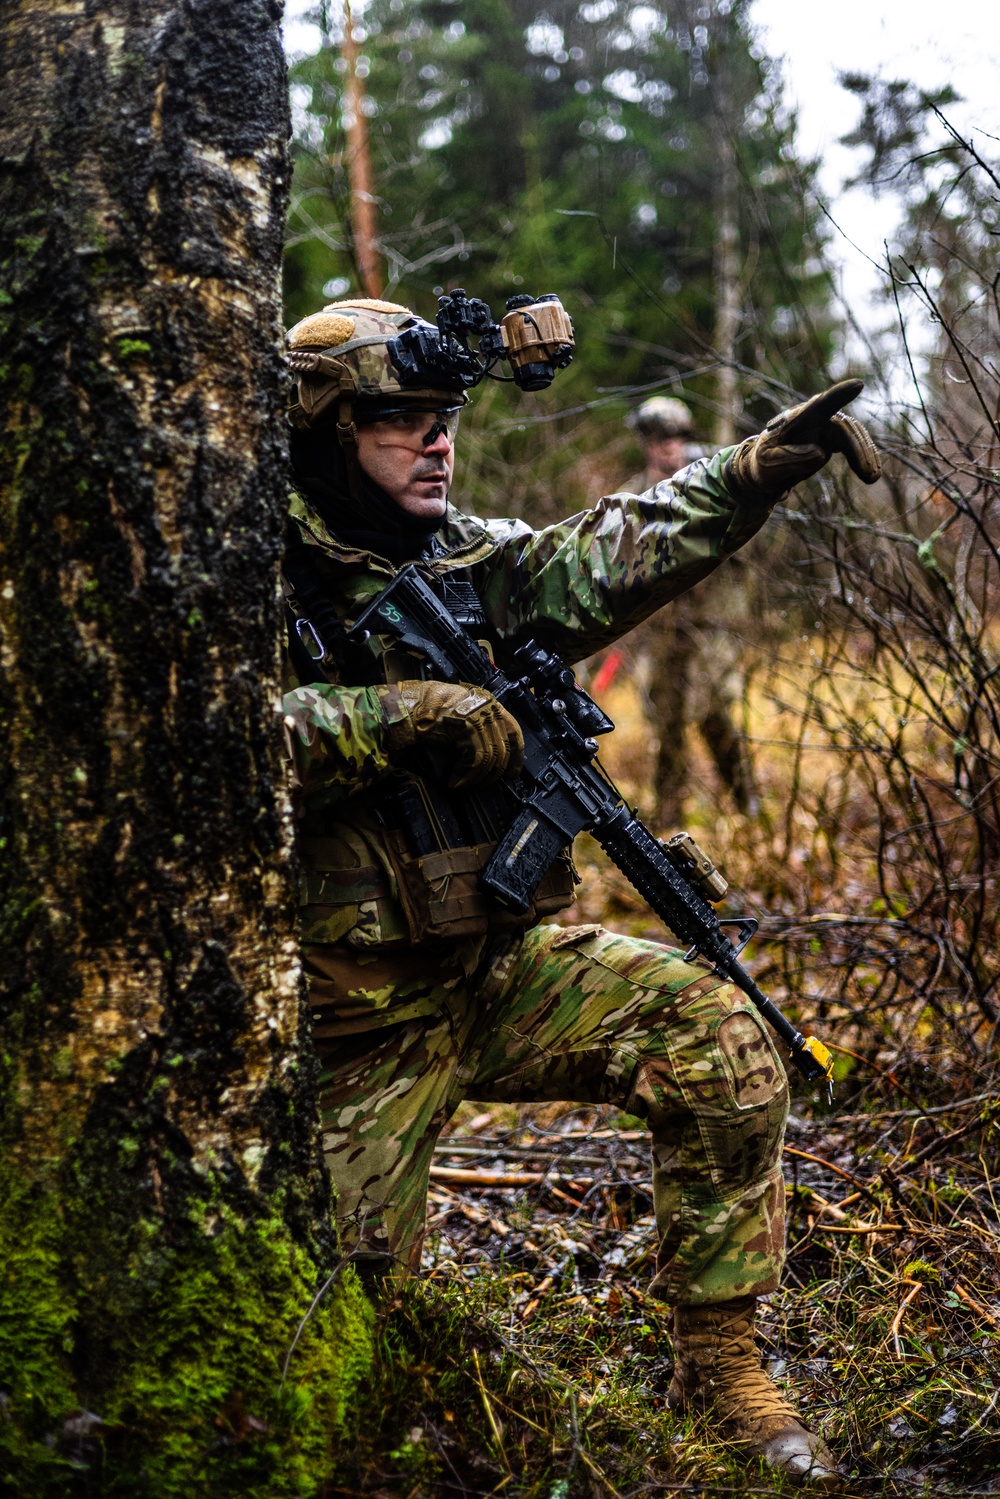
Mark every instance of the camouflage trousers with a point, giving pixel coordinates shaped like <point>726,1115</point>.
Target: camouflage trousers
<point>586,1016</point>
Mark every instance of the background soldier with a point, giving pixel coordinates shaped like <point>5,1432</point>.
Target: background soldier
<point>424,991</point>
<point>665,427</point>
<point>692,655</point>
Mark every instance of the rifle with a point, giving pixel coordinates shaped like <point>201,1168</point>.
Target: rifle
<point>563,790</point>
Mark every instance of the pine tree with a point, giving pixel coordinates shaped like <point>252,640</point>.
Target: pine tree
<point>575,149</point>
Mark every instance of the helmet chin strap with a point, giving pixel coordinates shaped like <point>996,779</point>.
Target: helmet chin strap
<point>347,436</point>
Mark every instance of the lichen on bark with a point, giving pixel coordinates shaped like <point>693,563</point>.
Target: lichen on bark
<point>164,1215</point>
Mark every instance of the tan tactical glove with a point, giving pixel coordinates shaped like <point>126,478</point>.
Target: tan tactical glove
<point>796,443</point>
<point>467,720</point>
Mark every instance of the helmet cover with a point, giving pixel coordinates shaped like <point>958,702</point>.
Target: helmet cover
<point>660,417</point>
<point>342,352</point>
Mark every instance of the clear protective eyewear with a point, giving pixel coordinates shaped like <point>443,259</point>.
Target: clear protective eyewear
<point>414,427</point>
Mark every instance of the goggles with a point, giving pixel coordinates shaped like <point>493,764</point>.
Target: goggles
<point>413,427</point>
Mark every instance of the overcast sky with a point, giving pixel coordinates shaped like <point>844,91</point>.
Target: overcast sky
<point>927,41</point>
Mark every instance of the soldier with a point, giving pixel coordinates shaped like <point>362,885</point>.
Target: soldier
<point>693,653</point>
<point>423,991</point>
<point>665,427</point>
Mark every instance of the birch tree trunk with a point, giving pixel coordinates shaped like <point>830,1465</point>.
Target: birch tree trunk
<point>164,1215</point>
<point>727,288</point>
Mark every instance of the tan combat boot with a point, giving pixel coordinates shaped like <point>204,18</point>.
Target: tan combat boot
<point>718,1369</point>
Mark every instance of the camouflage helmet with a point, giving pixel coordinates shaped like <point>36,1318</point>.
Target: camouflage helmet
<point>662,416</point>
<point>340,354</point>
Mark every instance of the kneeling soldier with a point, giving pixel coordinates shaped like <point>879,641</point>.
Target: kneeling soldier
<point>424,991</point>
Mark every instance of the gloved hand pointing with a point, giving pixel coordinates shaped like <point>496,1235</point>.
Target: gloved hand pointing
<point>465,719</point>
<point>798,442</point>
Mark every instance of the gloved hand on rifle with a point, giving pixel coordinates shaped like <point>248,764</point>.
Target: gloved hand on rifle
<point>798,442</point>
<point>484,738</point>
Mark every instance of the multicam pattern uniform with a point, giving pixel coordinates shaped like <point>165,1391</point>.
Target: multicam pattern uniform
<point>580,1014</point>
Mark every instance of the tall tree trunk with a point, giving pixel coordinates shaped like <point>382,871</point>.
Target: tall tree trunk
<point>164,1216</point>
<point>364,221</point>
<point>727,289</point>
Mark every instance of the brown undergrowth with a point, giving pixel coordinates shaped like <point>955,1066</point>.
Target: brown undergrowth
<point>530,1362</point>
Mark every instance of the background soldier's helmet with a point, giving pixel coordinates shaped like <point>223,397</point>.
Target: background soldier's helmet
<point>662,416</point>
<point>340,355</point>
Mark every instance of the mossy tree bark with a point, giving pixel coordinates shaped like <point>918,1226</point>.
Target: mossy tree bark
<point>164,1219</point>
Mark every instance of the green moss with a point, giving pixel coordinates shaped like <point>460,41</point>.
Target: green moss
<point>36,1319</point>
<point>204,1382</point>
<point>923,1271</point>
<point>132,348</point>
<point>194,1401</point>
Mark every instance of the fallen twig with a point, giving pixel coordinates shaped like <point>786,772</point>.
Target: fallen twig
<point>848,1176</point>
<point>825,1121</point>
<point>460,1177</point>
<point>888,1074</point>
<point>911,1295</point>
<point>864,1228</point>
<point>974,1305</point>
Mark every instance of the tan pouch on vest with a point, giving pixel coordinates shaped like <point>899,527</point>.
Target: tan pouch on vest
<point>345,892</point>
<point>442,901</point>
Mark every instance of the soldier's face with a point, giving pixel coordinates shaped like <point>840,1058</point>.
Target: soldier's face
<point>413,473</point>
<point>665,455</point>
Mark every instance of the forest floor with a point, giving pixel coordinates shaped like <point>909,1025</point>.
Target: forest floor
<point>529,1362</point>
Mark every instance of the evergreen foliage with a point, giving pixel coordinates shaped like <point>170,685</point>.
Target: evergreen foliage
<point>572,149</point>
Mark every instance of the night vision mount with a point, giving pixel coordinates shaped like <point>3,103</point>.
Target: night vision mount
<point>535,336</point>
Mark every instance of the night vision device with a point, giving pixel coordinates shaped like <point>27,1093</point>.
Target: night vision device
<point>535,336</point>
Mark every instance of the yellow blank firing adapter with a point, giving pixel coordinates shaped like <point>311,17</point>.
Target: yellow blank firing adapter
<point>823,1058</point>
<point>822,1055</point>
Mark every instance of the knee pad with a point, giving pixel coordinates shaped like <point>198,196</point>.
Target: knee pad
<point>722,1063</point>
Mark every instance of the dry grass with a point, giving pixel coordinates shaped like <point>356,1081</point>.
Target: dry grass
<point>532,1308</point>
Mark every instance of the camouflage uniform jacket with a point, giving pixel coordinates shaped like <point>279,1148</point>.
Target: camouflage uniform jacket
<point>576,586</point>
